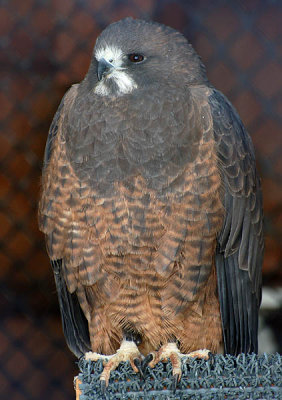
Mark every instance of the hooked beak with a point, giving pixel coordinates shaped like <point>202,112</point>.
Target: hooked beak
<point>104,68</point>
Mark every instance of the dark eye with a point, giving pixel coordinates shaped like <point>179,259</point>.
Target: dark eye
<point>136,58</point>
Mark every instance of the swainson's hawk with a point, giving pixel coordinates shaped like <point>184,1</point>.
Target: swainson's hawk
<point>151,205</point>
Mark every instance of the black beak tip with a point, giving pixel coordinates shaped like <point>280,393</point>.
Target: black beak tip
<point>104,68</point>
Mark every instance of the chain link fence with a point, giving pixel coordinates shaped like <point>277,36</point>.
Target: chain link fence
<point>45,47</point>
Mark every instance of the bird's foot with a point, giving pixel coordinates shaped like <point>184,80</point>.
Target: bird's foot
<point>128,351</point>
<point>204,354</point>
<point>167,351</point>
<point>170,351</point>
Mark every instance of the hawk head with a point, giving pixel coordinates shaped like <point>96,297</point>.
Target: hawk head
<point>132,55</point>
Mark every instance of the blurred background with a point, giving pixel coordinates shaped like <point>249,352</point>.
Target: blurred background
<point>46,46</point>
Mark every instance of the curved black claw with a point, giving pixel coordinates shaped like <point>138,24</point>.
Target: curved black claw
<point>149,357</point>
<point>138,364</point>
<point>175,380</point>
<point>211,358</point>
<point>103,388</point>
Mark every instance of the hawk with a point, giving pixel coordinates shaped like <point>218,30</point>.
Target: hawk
<point>151,206</point>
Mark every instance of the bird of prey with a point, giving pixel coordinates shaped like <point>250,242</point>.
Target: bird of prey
<point>151,206</point>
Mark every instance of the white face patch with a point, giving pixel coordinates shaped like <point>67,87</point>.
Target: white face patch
<point>101,89</point>
<point>111,54</point>
<point>122,79</point>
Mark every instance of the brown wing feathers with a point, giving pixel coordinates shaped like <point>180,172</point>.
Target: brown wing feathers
<point>240,244</point>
